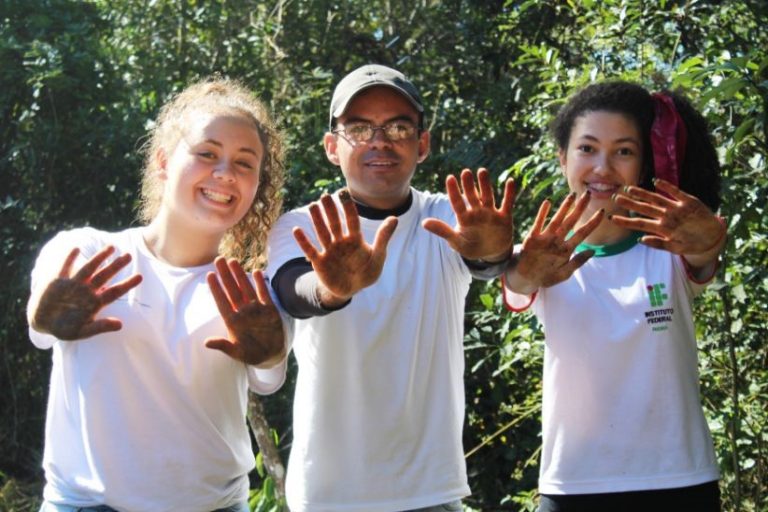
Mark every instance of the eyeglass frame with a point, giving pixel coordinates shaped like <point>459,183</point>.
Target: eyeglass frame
<point>417,129</point>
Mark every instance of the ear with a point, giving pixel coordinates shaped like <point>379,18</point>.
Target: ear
<point>561,155</point>
<point>162,164</point>
<point>330,142</point>
<point>424,139</point>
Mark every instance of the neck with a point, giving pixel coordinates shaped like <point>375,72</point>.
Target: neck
<point>180,246</point>
<point>373,213</point>
<point>382,203</point>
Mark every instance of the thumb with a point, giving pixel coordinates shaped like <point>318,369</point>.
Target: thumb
<point>439,228</point>
<point>100,326</point>
<point>581,258</point>
<point>223,345</point>
<point>384,234</point>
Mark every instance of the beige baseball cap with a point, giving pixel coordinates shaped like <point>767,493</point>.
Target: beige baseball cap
<point>367,76</point>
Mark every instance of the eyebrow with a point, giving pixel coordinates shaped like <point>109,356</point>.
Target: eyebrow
<point>390,120</point>
<point>621,140</point>
<point>244,149</point>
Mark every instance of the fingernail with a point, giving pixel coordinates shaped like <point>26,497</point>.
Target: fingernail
<point>626,189</point>
<point>613,196</point>
<point>344,195</point>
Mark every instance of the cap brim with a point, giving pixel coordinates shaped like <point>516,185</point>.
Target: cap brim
<point>343,106</point>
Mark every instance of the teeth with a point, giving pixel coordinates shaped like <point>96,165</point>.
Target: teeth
<point>216,196</point>
<point>601,187</point>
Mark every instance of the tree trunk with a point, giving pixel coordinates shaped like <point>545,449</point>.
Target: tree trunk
<point>272,461</point>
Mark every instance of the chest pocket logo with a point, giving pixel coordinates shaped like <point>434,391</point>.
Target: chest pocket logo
<point>655,294</point>
<point>660,318</point>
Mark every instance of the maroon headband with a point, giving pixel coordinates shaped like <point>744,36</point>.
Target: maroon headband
<point>668,139</point>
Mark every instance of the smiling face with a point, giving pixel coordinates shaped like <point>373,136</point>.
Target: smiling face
<point>604,154</point>
<point>211,176</point>
<point>378,172</point>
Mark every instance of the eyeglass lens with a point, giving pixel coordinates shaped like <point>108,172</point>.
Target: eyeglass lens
<point>364,132</point>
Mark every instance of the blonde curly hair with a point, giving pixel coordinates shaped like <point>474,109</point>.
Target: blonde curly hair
<point>246,241</point>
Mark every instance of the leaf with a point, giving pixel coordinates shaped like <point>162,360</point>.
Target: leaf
<point>744,128</point>
<point>738,293</point>
<point>693,62</point>
<point>726,89</point>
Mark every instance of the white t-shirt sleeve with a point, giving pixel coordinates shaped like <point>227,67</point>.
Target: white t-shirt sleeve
<point>281,245</point>
<point>267,381</point>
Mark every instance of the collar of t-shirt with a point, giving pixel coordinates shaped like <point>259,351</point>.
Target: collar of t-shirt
<point>369,212</point>
<point>611,249</point>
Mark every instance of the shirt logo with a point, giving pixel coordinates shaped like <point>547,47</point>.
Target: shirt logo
<point>655,295</point>
<point>660,317</point>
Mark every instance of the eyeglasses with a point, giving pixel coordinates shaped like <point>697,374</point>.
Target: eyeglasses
<point>364,132</point>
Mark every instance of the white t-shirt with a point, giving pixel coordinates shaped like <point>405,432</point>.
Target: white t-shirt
<point>621,409</point>
<point>146,419</point>
<point>379,405</point>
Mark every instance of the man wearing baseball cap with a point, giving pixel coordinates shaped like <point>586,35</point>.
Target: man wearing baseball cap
<point>376,276</point>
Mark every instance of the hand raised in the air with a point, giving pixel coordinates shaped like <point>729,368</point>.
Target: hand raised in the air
<point>67,307</point>
<point>482,230</point>
<point>344,263</point>
<point>676,222</point>
<point>546,256</point>
<point>256,334</point>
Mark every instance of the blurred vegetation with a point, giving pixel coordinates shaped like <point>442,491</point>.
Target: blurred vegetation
<point>82,80</point>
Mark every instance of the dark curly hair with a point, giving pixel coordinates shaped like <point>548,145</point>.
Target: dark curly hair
<point>700,169</point>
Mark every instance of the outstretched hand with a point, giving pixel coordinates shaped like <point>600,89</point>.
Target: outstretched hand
<point>344,263</point>
<point>68,305</point>
<point>255,329</point>
<point>678,222</point>
<point>546,257</point>
<point>482,231</point>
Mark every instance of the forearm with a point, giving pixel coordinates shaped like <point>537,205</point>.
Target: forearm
<point>300,292</point>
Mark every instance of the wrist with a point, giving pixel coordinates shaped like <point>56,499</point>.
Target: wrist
<point>272,361</point>
<point>495,259</point>
<point>499,257</point>
<point>517,281</point>
<point>719,242</point>
<point>328,300</point>
<point>706,260</point>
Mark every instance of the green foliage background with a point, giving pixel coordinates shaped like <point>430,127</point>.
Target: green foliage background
<point>81,82</point>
